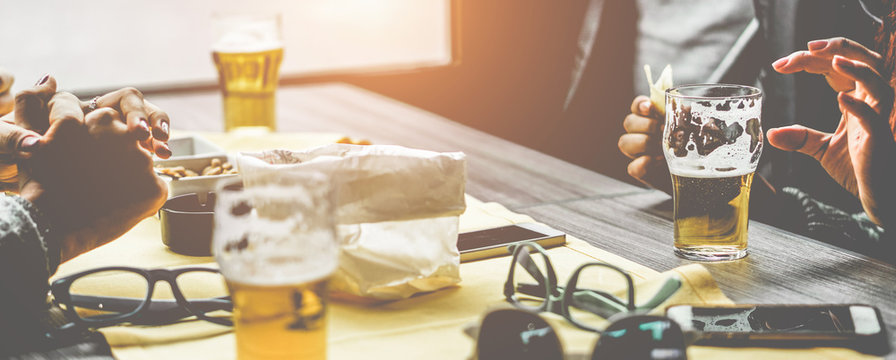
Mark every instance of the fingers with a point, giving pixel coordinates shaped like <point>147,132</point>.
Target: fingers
<point>818,60</point>
<point>639,124</point>
<point>106,121</point>
<point>867,117</point>
<point>800,138</point>
<point>642,106</point>
<point>877,91</point>
<point>847,48</point>
<point>31,105</point>
<point>66,107</point>
<point>17,143</point>
<point>130,102</point>
<point>651,171</point>
<point>635,145</point>
<point>159,121</point>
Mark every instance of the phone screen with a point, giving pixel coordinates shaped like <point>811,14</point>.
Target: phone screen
<point>834,319</point>
<point>496,236</point>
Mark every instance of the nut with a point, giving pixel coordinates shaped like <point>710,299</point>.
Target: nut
<point>215,167</point>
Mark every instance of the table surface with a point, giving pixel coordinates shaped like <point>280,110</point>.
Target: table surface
<point>629,221</point>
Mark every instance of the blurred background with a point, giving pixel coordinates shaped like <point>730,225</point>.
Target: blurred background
<point>557,76</point>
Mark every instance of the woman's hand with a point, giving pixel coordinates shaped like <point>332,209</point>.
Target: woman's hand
<point>860,154</point>
<point>146,121</point>
<point>90,176</point>
<point>17,142</point>
<point>642,142</point>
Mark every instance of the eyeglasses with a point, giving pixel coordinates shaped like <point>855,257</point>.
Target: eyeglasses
<point>521,335</point>
<point>583,302</point>
<point>199,292</point>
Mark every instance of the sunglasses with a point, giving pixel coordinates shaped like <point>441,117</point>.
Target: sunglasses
<point>522,335</point>
<point>196,291</point>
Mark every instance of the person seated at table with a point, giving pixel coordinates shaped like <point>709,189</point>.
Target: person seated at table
<point>85,177</point>
<point>858,155</point>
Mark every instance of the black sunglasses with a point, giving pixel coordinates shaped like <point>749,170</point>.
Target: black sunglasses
<point>87,309</point>
<point>522,335</point>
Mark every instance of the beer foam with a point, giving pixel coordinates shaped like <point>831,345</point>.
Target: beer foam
<point>732,159</point>
<point>249,37</point>
<point>286,239</point>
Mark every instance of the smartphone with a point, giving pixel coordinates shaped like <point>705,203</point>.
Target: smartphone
<point>488,243</point>
<point>855,326</point>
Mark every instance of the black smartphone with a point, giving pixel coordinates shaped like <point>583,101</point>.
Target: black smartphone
<point>855,326</point>
<point>487,243</point>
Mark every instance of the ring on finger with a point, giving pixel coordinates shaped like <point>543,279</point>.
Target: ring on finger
<point>91,106</point>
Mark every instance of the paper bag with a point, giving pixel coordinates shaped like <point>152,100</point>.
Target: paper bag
<point>396,208</point>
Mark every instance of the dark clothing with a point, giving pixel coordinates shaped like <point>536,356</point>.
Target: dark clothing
<point>27,259</point>
<point>785,27</point>
<point>818,206</point>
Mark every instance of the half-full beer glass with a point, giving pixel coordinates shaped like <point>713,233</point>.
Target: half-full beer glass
<point>247,53</point>
<point>712,141</point>
<point>276,247</point>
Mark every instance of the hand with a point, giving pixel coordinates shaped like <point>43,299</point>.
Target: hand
<point>90,176</point>
<point>16,142</point>
<point>643,143</point>
<point>140,115</point>
<point>859,154</point>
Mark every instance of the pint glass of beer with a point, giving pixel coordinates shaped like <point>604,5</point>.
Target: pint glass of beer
<point>712,141</point>
<point>247,53</point>
<point>276,247</point>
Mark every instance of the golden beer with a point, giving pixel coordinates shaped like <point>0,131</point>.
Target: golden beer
<point>280,322</point>
<point>248,82</point>
<point>711,216</point>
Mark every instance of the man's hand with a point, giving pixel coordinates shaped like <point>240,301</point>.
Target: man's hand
<point>91,176</point>
<point>860,153</point>
<point>642,142</point>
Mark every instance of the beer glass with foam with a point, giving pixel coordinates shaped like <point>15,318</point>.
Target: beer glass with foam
<point>712,140</point>
<point>276,247</point>
<point>247,52</point>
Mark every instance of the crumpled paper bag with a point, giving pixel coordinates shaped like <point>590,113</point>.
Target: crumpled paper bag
<point>396,208</point>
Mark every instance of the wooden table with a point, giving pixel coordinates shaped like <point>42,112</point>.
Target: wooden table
<point>630,221</point>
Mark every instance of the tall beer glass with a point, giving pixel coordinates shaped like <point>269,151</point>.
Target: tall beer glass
<point>247,52</point>
<point>712,141</point>
<point>276,247</point>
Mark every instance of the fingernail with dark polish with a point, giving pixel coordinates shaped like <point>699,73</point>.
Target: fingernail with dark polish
<point>29,144</point>
<point>165,127</point>
<point>817,45</point>
<point>144,125</point>
<point>780,62</point>
<point>163,151</point>
<point>42,80</point>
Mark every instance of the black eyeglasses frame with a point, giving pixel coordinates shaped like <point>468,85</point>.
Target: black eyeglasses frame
<point>149,311</point>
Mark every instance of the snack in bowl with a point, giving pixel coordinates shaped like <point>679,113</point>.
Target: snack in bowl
<point>215,167</point>
<point>197,174</point>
